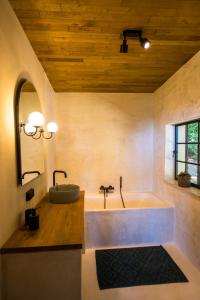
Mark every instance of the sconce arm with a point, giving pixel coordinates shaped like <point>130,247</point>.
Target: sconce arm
<point>38,133</point>
<point>22,125</point>
<point>47,137</point>
<point>38,136</point>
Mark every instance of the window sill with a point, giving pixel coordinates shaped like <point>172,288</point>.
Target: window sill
<point>189,190</point>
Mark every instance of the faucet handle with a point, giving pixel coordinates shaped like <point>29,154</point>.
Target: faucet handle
<point>111,187</point>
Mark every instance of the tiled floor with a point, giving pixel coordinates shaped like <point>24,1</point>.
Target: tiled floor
<point>177,291</point>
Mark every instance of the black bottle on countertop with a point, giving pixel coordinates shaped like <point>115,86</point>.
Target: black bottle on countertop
<point>34,222</point>
<point>29,212</point>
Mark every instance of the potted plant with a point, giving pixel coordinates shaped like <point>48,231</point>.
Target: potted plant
<point>184,179</point>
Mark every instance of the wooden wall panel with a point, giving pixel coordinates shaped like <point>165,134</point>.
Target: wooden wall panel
<point>78,42</point>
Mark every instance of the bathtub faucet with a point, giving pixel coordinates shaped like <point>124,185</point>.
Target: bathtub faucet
<point>107,189</point>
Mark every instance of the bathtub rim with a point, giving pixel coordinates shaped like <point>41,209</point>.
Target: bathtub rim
<point>166,203</point>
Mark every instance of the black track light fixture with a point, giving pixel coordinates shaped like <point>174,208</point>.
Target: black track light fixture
<point>133,33</point>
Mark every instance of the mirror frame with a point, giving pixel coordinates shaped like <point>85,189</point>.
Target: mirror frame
<point>18,89</point>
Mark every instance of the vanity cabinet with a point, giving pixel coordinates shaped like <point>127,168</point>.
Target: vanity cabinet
<point>46,264</point>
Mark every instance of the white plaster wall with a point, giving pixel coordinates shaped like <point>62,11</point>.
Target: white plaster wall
<point>104,136</point>
<point>17,60</point>
<point>176,101</point>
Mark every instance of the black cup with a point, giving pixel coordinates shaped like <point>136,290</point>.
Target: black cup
<point>33,222</point>
<point>29,212</point>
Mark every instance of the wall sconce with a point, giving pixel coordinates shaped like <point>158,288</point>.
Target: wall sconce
<point>34,127</point>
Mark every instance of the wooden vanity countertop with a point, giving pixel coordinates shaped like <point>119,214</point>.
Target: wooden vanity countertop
<point>61,227</point>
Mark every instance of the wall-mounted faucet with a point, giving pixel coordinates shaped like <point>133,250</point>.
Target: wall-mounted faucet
<point>54,175</point>
<point>30,172</point>
<point>107,189</point>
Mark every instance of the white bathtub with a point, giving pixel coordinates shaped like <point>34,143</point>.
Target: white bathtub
<point>145,219</point>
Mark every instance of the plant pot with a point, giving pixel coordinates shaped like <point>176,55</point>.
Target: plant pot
<point>184,181</point>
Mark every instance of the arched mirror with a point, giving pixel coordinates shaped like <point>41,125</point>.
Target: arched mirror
<point>30,148</point>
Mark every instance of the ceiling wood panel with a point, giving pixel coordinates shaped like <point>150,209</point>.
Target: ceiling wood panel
<point>77,42</point>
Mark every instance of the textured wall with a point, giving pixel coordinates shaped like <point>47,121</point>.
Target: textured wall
<point>17,60</point>
<point>176,101</point>
<point>103,136</point>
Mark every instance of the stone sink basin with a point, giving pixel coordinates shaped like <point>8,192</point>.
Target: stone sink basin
<point>64,193</point>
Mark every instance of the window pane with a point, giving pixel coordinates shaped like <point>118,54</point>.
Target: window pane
<point>181,152</point>
<point>181,167</point>
<point>192,132</point>
<point>181,133</point>
<point>192,170</point>
<point>192,152</point>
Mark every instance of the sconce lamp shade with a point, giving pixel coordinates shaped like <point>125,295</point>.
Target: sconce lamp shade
<point>30,129</point>
<point>36,119</point>
<point>52,127</point>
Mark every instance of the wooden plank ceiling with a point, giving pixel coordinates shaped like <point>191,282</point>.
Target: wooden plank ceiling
<point>77,42</point>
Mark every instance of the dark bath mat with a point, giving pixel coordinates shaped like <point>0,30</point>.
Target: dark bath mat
<point>136,266</point>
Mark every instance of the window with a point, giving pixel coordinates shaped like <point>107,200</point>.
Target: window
<point>187,150</point>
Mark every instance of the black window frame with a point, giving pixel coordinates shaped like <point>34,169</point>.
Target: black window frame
<point>186,154</point>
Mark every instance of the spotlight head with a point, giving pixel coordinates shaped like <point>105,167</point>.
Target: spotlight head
<point>124,47</point>
<point>145,43</point>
